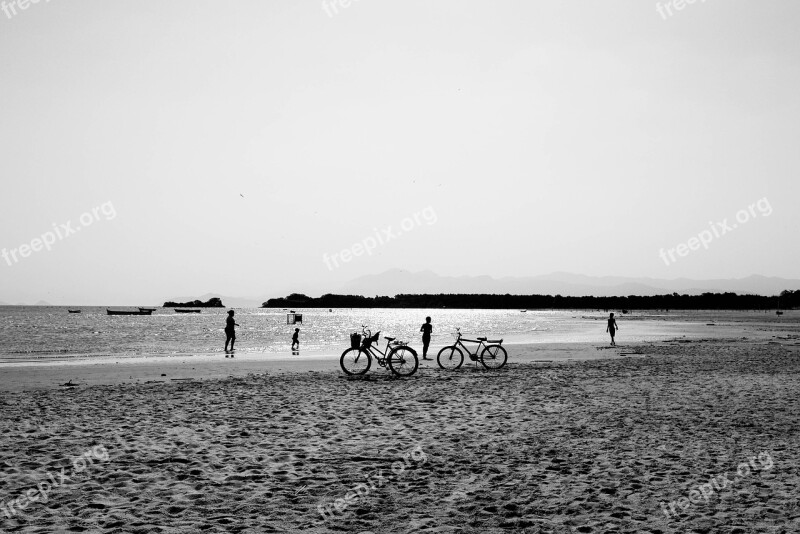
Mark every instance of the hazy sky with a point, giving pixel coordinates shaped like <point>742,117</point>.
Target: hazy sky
<point>229,146</point>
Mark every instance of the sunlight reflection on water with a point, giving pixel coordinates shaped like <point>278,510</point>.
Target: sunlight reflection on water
<point>51,332</point>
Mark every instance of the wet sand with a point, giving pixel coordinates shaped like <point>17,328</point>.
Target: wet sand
<point>617,444</point>
<point>32,375</point>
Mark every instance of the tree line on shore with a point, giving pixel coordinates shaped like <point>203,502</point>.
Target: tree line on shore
<point>706,301</point>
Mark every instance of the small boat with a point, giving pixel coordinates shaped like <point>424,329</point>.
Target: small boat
<point>74,311</point>
<point>147,310</point>
<point>778,312</point>
<point>128,312</point>
<point>183,310</point>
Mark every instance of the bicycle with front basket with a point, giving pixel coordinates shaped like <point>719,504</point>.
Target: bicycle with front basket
<point>397,356</point>
<point>493,355</point>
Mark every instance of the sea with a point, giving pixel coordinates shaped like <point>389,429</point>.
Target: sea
<point>51,333</point>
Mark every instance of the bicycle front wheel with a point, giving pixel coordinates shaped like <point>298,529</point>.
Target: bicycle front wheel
<point>450,358</point>
<point>494,357</point>
<point>355,362</point>
<point>403,361</point>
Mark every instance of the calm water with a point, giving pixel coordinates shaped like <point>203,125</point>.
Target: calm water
<point>52,332</point>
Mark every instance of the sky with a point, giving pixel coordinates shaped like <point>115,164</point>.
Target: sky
<point>154,149</point>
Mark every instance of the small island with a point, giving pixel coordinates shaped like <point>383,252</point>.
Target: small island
<point>211,303</point>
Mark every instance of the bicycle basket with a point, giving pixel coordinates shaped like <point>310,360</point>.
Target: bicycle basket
<point>371,339</point>
<point>355,340</point>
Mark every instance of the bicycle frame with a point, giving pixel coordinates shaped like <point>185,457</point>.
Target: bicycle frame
<point>381,355</point>
<point>460,343</point>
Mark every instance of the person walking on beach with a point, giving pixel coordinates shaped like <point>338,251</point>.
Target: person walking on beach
<point>230,331</point>
<point>296,339</point>
<point>426,330</point>
<point>612,328</point>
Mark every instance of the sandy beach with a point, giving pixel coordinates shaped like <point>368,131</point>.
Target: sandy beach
<point>211,212</point>
<point>676,436</point>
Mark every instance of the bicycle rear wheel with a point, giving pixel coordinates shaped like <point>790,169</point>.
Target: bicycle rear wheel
<point>450,358</point>
<point>355,362</point>
<point>494,357</point>
<point>403,361</point>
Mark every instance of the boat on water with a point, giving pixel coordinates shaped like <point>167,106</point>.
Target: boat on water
<point>74,311</point>
<point>182,310</point>
<point>147,309</point>
<point>128,312</point>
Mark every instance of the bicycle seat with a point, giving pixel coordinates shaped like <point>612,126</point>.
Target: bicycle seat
<point>389,339</point>
<point>482,339</point>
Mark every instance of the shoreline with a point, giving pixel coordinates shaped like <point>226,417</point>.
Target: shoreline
<point>91,370</point>
<point>66,339</point>
<point>55,374</point>
<point>31,375</point>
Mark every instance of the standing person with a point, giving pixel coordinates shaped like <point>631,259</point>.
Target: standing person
<point>296,339</point>
<point>230,331</point>
<point>426,330</point>
<point>612,328</point>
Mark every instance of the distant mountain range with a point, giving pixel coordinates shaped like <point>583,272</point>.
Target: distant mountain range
<point>397,281</point>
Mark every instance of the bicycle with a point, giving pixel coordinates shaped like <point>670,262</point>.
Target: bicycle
<point>493,355</point>
<point>398,356</point>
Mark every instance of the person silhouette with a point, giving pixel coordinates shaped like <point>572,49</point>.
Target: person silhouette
<point>296,339</point>
<point>426,330</point>
<point>612,328</point>
<point>230,331</point>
